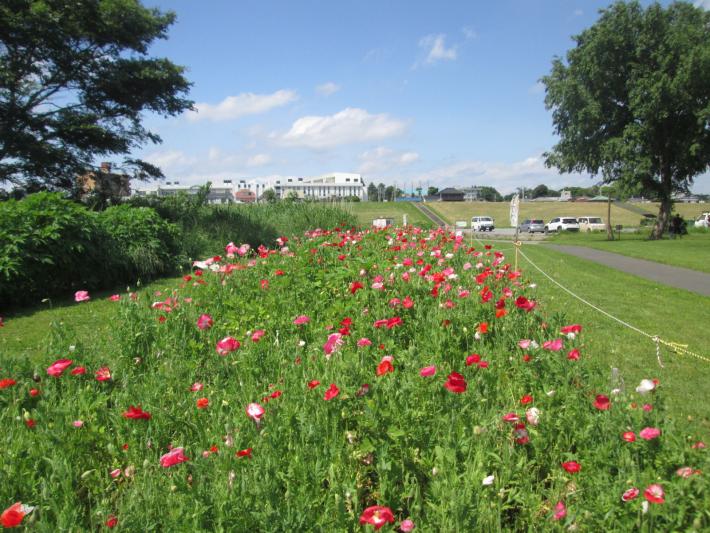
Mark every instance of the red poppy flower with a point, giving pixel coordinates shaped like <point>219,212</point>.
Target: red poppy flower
<point>227,345</point>
<point>13,515</point>
<point>331,393</point>
<point>456,383</point>
<point>474,358</point>
<point>377,515</point>
<point>356,286</point>
<point>629,436</point>
<point>7,382</point>
<point>601,402</point>
<point>521,302</point>
<point>654,493</point>
<point>30,423</point>
<point>574,328</point>
<point>58,367</point>
<point>573,355</point>
<point>313,384</point>
<point>630,494</point>
<point>203,403</point>
<point>572,467</point>
<point>511,417</point>
<point>483,327</point>
<point>103,374</point>
<point>526,399</point>
<point>78,371</point>
<point>244,453</point>
<point>111,522</point>
<point>385,366</point>
<point>34,393</point>
<point>136,413</point>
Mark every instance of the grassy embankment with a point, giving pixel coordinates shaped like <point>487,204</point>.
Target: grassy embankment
<point>367,211</point>
<point>500,211</point>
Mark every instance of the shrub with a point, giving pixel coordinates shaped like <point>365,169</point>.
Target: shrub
<point>140,243</point>
<point>48,245</point>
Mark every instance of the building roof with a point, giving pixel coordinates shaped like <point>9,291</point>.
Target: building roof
<point>450,190</point>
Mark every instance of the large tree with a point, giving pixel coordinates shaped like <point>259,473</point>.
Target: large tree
<point>632,100</point>
<point>75,80</point>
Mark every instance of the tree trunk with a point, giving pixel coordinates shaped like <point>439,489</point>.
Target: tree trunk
<point>664,217</point>
<point>609,232</point>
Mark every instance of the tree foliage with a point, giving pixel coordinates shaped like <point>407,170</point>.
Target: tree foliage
<point>632,100</point>
<point>75,79</point>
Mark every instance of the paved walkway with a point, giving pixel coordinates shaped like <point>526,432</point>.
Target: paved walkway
<point>682,278</point>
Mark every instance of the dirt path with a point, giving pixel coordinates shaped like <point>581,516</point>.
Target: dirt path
<point>682,278</point>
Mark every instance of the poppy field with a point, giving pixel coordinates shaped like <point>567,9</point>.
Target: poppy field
<point>343,380</point>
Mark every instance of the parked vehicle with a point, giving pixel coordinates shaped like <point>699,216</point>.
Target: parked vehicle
<point>562,224</point>
<point>482,224</point>
<point>591,224</point>
<point>531,226</point>
<point>703,221</point>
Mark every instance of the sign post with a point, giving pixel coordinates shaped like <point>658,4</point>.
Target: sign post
<point>514,209</point>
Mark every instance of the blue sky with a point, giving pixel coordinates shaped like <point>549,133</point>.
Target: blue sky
<point>406,92</point>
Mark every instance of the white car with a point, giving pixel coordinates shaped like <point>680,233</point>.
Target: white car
<point>482,224</point>
<point>703,221</point>
<point>591,224</point>
<point>559,224</point>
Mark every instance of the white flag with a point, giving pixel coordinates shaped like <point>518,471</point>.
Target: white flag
<point>514,206</point>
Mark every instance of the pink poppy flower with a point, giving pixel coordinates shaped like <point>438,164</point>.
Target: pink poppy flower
<point>630,494</point>
<point>406,526</point>
<point>377,516</point>
<point>524,343</point>
<point>78,423</point>
<point>521,302</point>
<point>456,383</point>
<point>649,433</point>
<point>654,493</point>
<point>511,417</point>
<point>78,371</point>
<point>700,445</point>
<point>204,322</point>
<point>601,402</point>
<point>560,511</point>
<point>685,472</point>
<point>302,319</point>
<point>335,340</point>
<point>227,345</point>
<point>103,374</point>
<point>255,412</point>
<point>173,457</point>
<point>331,393</point>
<point>629,436</point>
<point>364,342</point>
<point>58,367</point>
<point>115,473</point>
<point>257,335</point>
<point>428,371</point>
<point>572,467</point>
<point>532,415</point>
<point>196,387</point>
<point>114,297</point>
<point>81,296</point>
<point>554,345</point>
<point>573,355</point>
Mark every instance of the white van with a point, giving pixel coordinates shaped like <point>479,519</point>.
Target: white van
<point>591,224</point>
<point>482,224</point>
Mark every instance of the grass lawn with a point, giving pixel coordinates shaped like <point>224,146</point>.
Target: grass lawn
<point>30,332</point>
<point>500,211</point>
<point>674,315</point>
<point>691,251</point>
<point>367,211</point>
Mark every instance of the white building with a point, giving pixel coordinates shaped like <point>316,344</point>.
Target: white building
<point>326,187</point>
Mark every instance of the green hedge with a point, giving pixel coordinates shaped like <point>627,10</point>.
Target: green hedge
<point>51,246</point>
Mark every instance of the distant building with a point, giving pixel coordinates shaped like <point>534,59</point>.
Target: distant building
<point>450,195</point>
<point>219,194</point>
<point>326,187</point>
<point>472,194</point>
<point>105,183</point>
<point>565,196</point>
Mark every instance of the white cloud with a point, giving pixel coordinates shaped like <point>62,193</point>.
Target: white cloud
<point>258,160</point>
<point>351,125</point>
<point>381,158</point>
<point>505,177</point>
<point>326,89</point>
<point>436,49</point>
<point>705,4</point>
<point>469,32</point>
<point>169,159</point>
<point>233,107</point>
